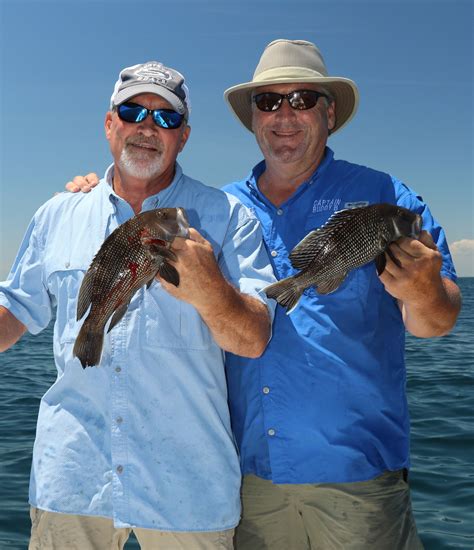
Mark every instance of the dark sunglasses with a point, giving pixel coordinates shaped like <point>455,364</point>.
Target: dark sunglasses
<point>164,118</point>
<point>299,99</point>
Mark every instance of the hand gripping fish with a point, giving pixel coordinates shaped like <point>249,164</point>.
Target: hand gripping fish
<point>130,257</point>
<point>349,239</point>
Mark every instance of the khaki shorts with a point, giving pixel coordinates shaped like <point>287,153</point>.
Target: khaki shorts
<point>53,531</point>
<point>367,515</point>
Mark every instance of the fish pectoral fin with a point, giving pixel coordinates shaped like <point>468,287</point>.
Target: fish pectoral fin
<point>380,262</point>
<point>156,251</point>
<point>306,250</point>
<point>169,273</point>
<point>326,287</point>
<point>118,314</point>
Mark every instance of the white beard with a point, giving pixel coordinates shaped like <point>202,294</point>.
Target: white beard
<point>139,165</point>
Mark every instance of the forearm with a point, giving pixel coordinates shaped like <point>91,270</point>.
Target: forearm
<point>433,313</point>
<point>11,329</point>
<point>238,322</point>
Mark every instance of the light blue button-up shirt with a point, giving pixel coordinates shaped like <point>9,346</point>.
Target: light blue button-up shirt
<point>144,438</point>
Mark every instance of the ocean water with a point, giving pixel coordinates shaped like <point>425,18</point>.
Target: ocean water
<point>441,397</point>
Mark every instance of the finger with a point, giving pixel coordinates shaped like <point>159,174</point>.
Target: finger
<point>72,187</point>
<point>92,179</point>
<point>427,240</point>
<point>194,235</point>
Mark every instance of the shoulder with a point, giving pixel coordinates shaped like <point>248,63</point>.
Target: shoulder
<point>213,202</point>
<point>64,206</point>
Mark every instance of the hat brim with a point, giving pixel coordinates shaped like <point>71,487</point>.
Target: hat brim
<point>343,90</point>
<point>137,89</point>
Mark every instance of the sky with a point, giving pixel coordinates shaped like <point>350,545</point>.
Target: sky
<point>411,59</point>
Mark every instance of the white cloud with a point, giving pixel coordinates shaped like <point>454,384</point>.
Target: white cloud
<point>463,256</point>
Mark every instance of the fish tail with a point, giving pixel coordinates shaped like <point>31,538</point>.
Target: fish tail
<point>286,292</point>
<point>88,345</point>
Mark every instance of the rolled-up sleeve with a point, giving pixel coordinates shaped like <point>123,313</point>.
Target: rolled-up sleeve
<point>24,293</point>
<point>409,199</point>
<point>244,259</point>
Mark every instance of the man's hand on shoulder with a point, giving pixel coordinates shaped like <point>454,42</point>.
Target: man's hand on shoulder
<point>82,183</point>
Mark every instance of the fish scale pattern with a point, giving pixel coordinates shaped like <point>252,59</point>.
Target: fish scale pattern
<point>349,239</point>
<point>130,257</point>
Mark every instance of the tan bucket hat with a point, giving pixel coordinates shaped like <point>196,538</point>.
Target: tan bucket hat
<point>286,61</point>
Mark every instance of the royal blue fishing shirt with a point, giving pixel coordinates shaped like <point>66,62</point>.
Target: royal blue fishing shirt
<point>144,438</point>
<point>326,401</point>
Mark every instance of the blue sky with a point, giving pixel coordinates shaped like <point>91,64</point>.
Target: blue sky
<point>412,61</point>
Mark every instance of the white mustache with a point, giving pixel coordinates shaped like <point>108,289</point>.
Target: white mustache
<point>139,140</point>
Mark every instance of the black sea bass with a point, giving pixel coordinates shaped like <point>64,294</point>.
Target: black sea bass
<point>349,239</point>
<point>130,257</point>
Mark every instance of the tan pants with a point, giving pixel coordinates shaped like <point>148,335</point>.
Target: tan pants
<point>52,531</point>
<point>368,515</point>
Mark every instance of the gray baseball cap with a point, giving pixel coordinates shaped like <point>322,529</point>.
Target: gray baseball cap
<point>154,78</point>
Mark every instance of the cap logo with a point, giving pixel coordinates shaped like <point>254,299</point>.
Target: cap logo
<point>153,73</point>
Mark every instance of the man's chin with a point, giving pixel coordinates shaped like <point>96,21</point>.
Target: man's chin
<point>143,171</point>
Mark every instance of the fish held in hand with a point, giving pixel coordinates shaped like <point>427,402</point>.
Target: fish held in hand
<point>349,239</point>
<point>129,258</point>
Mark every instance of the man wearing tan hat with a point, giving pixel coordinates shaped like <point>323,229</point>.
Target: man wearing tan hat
<point>321,417</point>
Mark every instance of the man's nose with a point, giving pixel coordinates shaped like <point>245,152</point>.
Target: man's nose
<point>147,127</point>
<point>285,110</point>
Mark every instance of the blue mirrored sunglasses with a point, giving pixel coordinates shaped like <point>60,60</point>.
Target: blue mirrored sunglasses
<point>164,118</point>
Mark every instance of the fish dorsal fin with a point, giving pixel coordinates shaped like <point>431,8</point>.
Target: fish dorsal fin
<point>169,273</point>
<point>85,293</point>
<point>326,287</point>
<point>118,314</point>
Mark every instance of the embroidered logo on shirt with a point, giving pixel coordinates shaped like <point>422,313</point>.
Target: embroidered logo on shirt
<point>324,205</point>
<point>357,204</point>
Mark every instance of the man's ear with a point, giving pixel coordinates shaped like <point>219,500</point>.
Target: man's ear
<point>108,124</point>
<point>331,115</point>
<point>184,137</point>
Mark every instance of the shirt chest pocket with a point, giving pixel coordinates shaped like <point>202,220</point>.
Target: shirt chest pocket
<point>171,323</point>
<point>63,280</point>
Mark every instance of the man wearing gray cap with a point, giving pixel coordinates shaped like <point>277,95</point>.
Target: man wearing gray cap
<point>321,417</point>
<point>143,441</point>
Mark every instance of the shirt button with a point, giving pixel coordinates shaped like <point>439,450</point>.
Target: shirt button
<point>119,420</point>
<point>274,253</point>
<point>118,369</point>
<point>271,432</point>
<point>119,469</point>
<point>266,389</point>
<point>279,211</point>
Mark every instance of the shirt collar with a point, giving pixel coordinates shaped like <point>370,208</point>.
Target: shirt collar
<point>257,171</point>
<point>153,201</point>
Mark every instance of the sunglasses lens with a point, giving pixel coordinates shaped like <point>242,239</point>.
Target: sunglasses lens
<point>304,99</point>
<point>131,112</point>
<point>166,118</point>
<point>268,101</point>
